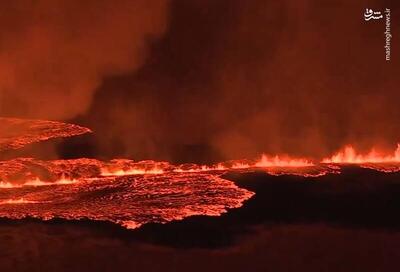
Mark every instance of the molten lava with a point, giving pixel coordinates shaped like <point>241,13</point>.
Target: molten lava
<point>373,160</point>
<point>278,161</point>
<point>17,201</point>
<point>351,156</point>
<point>132,193</point>
<point>125,192</point>
<point>16,133</point>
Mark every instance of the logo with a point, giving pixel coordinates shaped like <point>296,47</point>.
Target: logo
<point>370,14</point>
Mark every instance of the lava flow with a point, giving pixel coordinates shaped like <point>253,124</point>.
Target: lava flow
<point>16,133</point>
<point>373,159</point>
<point>351,156</point>
<point>121,191</point>
<point>133,193</point>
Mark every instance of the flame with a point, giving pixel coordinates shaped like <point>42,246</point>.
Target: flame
<point>122,167</point>
<point>6,185</point>
<point>201,168</point>
<point>277,161</point>
<point>240,165</point>
<point>62,181</point>
<point>131,171</point>
<point>18,201</point>
<point>37,182</point>
<point>349,155</point>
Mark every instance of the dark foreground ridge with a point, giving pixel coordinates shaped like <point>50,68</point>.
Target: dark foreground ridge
<point>357,198</point>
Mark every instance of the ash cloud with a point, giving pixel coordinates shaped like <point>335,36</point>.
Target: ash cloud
<point>54,54</point>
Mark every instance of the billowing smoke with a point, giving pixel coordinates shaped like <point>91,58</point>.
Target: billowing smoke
<point>55,53</point>
<point>226,79</point>
<point>232,79</point>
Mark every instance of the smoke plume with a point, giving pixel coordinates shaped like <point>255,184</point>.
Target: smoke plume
<point>232,79</point>
<point>204,79</point>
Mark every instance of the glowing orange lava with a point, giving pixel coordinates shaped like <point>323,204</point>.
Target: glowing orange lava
<point>61,181</point>
<point>132,171</point>
<point>132,193</point>
<point>279,161</point>
<point>123,167</point>
<point>37,182</point>
<point>17,201</point>
<point>16,133</point>
<point>351,156</point>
